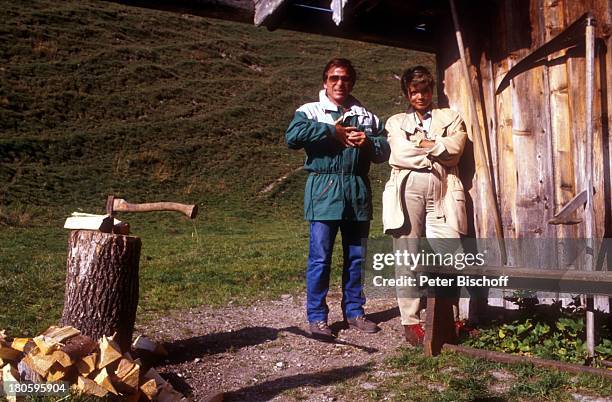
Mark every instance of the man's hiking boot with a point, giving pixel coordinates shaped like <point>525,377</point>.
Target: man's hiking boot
<point>414,334</point>
<point>320,330</point>
<point>363,324</point>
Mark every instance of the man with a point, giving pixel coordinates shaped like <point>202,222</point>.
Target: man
<point>424,196</point>
<point>340,138</point>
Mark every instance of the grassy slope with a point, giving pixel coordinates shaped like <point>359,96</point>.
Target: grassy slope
<point>97,98</point>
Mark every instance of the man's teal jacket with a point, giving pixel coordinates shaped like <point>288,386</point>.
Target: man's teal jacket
<point>338,187</point>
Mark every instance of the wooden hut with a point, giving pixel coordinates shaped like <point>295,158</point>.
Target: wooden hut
<point>531,135</point>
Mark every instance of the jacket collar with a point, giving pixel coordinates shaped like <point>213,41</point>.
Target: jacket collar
<point>330,106</point>
<point>439,121</point>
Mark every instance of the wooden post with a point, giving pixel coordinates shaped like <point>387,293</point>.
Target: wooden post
<point>439,324</point>
<point>479,142</point>
<point>102,284</point>
<point>589,216</point>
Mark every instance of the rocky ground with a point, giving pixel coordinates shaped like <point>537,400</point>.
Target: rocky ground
<point>263,352</point>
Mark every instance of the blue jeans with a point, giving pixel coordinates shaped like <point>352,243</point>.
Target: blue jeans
<point>322,238</point>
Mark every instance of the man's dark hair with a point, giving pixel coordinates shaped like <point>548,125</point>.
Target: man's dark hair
<point>419,76</point>
<point>342,63</point>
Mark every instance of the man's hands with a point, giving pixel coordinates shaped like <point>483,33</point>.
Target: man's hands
<point>350,136</point>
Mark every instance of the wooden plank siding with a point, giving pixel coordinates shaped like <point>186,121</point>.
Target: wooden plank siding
<point>562,143</point>
<point>536,128</point>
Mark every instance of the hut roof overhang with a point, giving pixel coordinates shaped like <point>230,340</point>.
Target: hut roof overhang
<point>404,24</point>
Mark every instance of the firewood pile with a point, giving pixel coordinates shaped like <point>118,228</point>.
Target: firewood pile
<point>93,368</point>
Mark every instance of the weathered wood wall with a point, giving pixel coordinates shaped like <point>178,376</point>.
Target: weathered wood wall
<point>536,128</point>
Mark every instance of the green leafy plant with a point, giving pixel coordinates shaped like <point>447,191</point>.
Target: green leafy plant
<point>547,331</point>
<point>604,350</point>
<point>561,342</point>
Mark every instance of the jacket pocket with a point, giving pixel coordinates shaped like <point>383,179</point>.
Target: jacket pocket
<point>459,211</point>
<point>325,190</point>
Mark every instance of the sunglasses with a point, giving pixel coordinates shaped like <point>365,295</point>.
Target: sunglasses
<point>336,78</point>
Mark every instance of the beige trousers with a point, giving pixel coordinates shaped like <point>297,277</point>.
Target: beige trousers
<point>419,203</point>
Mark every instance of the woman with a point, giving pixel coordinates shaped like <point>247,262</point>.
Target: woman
<point>424,196</point>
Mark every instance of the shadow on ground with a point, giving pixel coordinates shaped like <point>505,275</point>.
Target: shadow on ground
<point>269,389</point>
<point>185,350</point>
<point>384,316</point>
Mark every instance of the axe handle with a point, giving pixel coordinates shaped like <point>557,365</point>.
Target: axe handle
<point>121,205</point>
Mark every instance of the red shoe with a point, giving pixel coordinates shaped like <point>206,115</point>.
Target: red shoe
<point>461,327</point>
<point>414,334</point>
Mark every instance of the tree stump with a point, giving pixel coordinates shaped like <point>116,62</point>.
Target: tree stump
<point>102,284</point>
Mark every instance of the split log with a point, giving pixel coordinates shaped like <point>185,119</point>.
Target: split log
<point>122,377</point>
<point>109,352</point>
<point>103,379</point>
<point>8,353</point>
<point>149,351</point>
<point>46,345</point>
<point>39,362</point>
<point>143,343</point>
<point>61,334</point>
<point>124,367</point>
<point>20,343</point>
<point>27,374</point>
<point>149,389</point>
<point>102,284</point>
<point>62,358</point>
<point>152,374</point>
<point>90,387</point>
<point>10,373</point>
<point>79,346</point>
<point>168,394</point>
<point>57,372</point>
<point>87,364</point>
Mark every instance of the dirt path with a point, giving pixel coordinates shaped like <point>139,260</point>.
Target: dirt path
<point>263,352</point>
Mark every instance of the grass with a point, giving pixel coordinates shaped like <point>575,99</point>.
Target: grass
<point>452,377</point>
<point>151,104</point>
<point>181,265</point>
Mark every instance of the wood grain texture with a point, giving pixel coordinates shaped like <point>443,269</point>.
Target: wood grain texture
<point>101,293</point>
<point>545,113</point>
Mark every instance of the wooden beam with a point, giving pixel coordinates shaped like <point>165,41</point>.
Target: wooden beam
<point>571,281</point>
<point>566,215</point>
<point>265,10</point>
<point>536,361</point>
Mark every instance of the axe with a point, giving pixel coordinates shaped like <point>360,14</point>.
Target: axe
<point>120,205</point>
